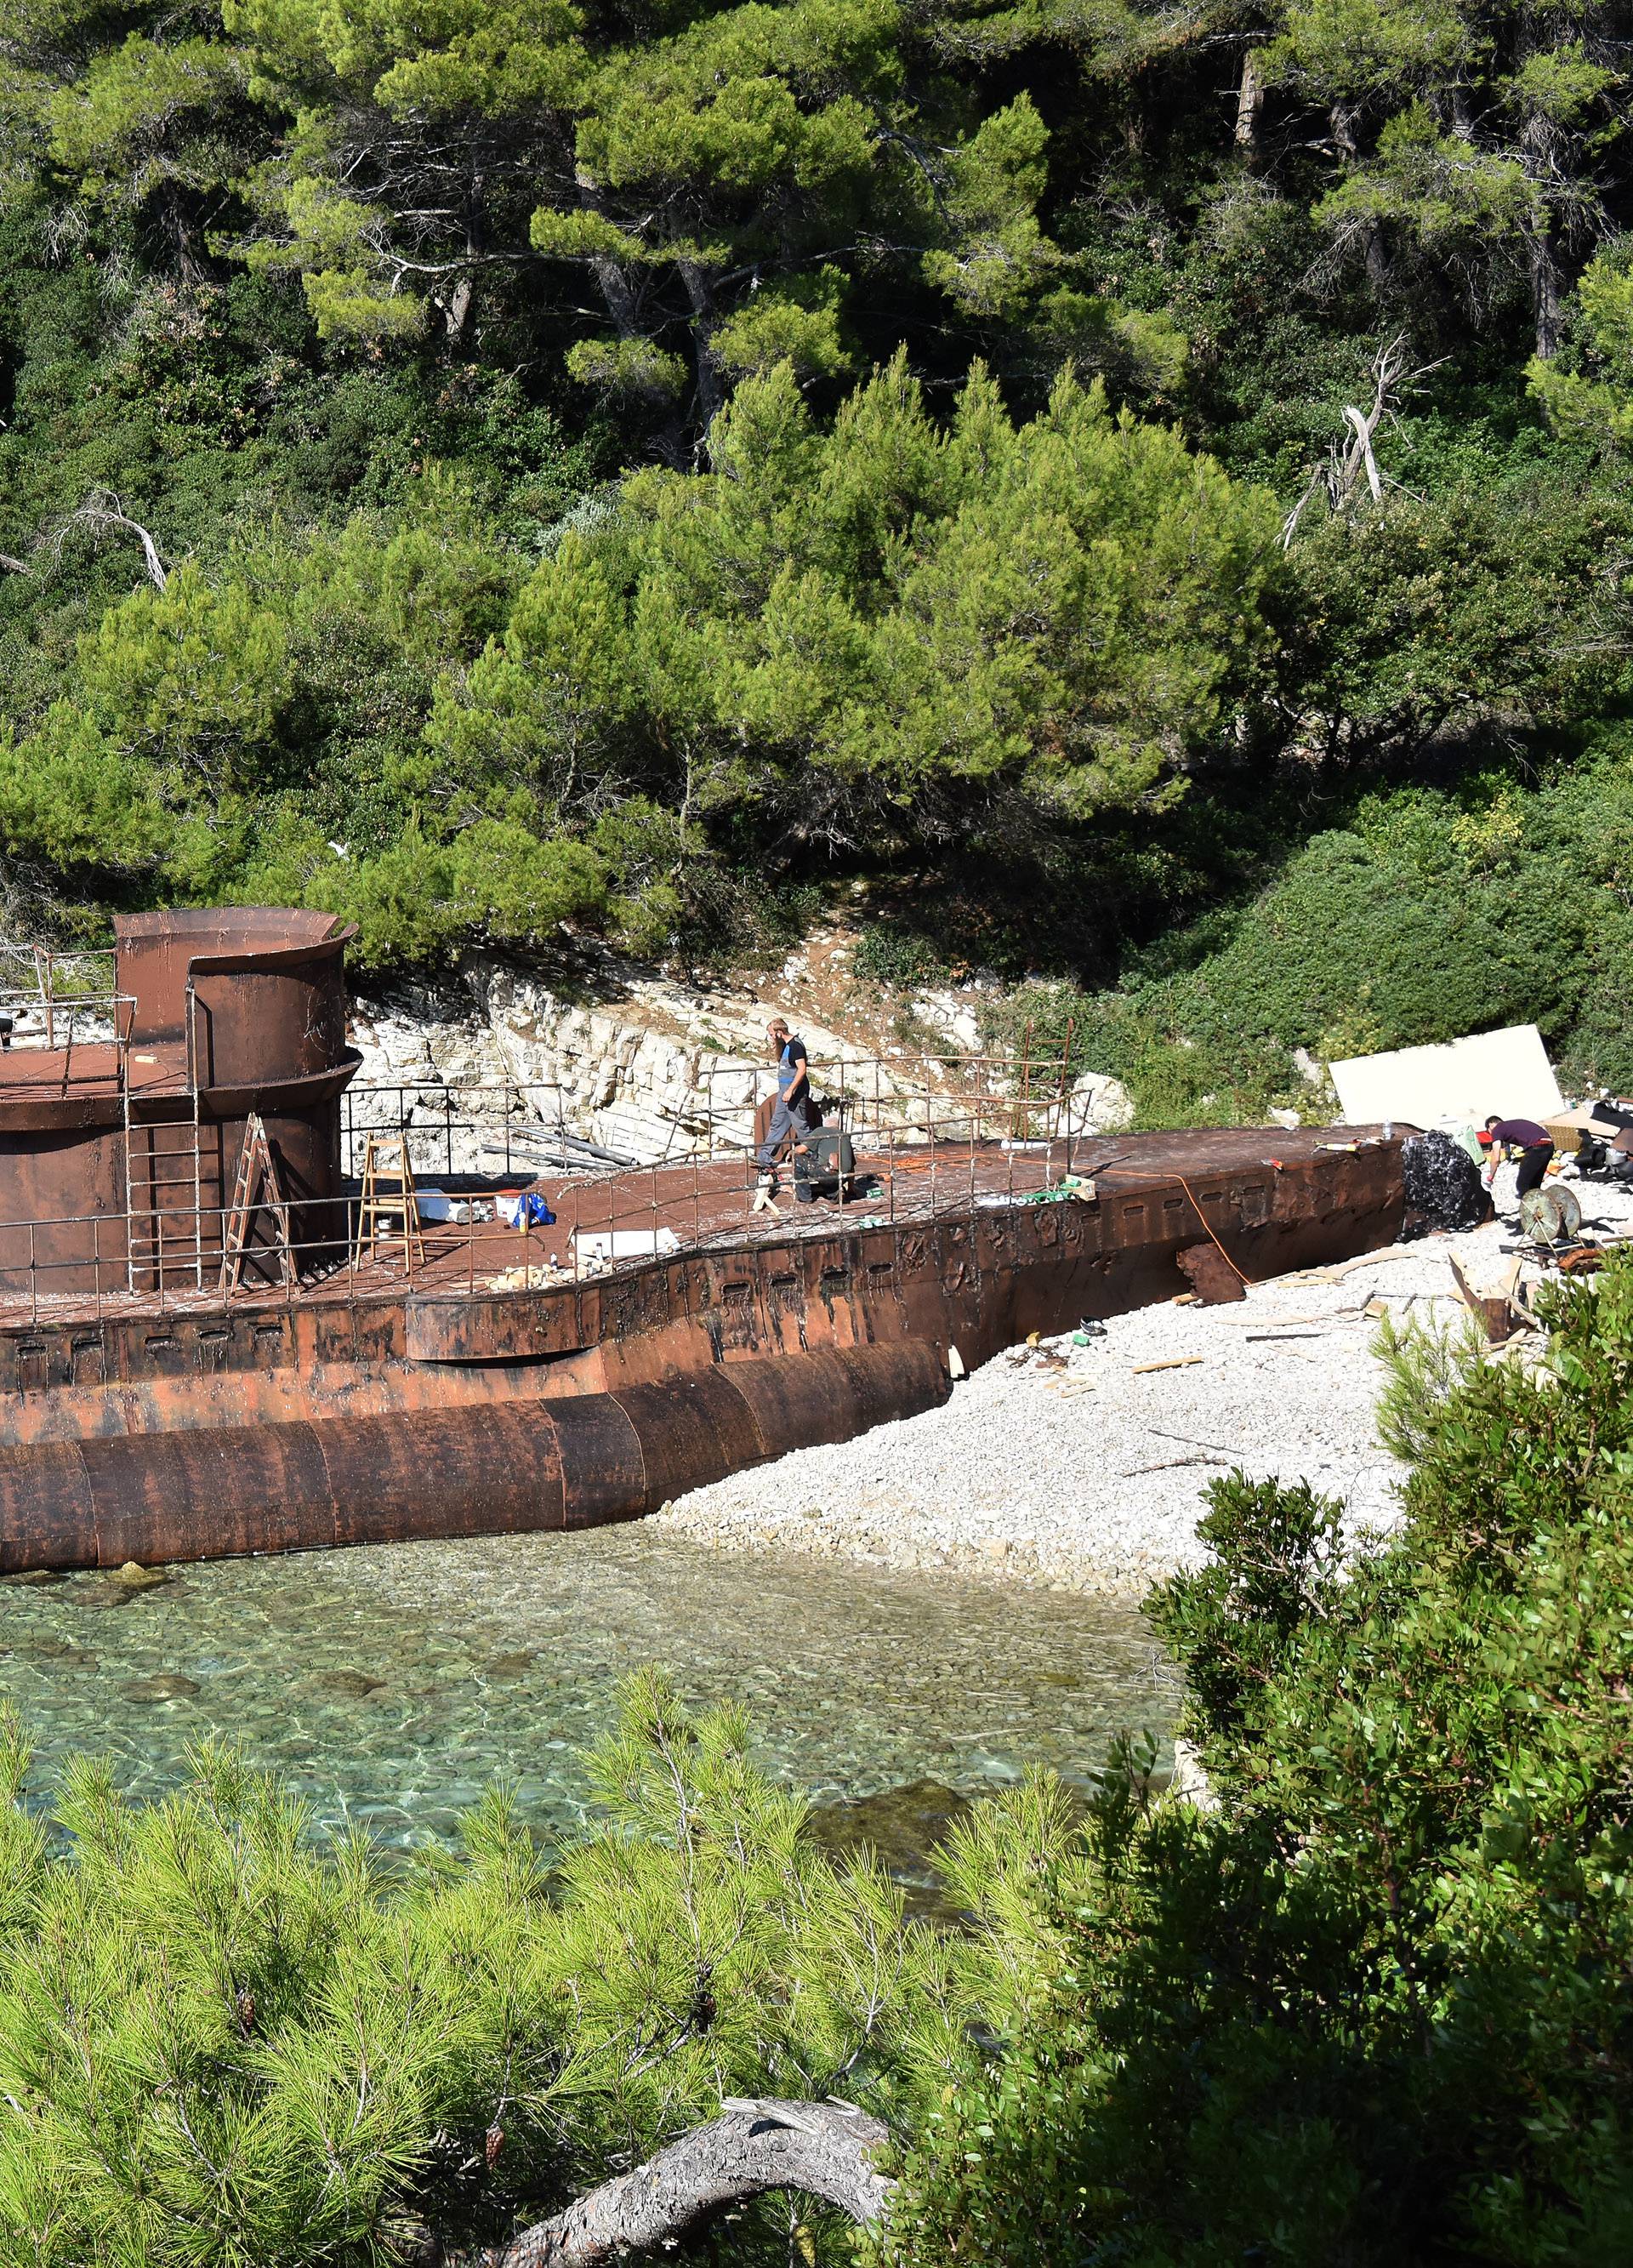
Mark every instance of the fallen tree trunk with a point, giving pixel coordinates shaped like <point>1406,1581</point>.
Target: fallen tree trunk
<point>825,2149</point>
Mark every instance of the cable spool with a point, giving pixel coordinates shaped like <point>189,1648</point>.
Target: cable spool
<point>1551,1215</point>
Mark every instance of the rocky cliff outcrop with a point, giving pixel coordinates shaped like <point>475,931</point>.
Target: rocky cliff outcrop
<point>641,1066</point>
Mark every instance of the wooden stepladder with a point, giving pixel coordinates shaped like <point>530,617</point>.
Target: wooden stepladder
<point>388,1194</point>
<point>257,1189</point>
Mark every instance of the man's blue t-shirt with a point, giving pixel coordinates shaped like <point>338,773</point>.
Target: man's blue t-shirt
<point>790,1063</point>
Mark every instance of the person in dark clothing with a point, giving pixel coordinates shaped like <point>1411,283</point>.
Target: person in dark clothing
<point>1531,1143</point>
<point>795,1112</point>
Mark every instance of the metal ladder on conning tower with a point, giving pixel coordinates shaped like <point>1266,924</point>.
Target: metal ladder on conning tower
<point>151,1241</point>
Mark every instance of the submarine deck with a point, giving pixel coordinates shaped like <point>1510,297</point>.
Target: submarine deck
<point>707,1204</point>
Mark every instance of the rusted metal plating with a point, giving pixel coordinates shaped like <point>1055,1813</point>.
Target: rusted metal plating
<point>121,1155</point>
<point>422,1413</point>
<point>575,1461</point>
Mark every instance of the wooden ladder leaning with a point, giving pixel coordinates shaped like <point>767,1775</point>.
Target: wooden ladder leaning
<point>388,1193</point>
<point>256,1189</point>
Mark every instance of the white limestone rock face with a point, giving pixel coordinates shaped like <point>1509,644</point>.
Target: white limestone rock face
<point>950,1015</point>
<point>636,1062</point>
<point>428,1058</point>
<point>1100,1105</point>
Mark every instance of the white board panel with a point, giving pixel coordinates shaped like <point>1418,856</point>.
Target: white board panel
<point>623,1243</point>
<point>1460,1080</point>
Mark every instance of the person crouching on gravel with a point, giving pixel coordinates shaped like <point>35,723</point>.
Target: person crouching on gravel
<point>1532,1143</point>
<point>793,1113</point>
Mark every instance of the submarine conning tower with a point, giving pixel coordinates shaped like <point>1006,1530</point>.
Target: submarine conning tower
<point>130,1084</point>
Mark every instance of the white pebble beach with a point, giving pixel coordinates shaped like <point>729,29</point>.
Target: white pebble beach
<point>1077,1468</point>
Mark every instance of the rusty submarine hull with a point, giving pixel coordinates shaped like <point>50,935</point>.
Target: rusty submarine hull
<point>208,1348</point>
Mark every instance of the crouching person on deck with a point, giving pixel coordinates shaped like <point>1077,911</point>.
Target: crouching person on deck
<point>1525,1139</point>
<point>795,1113</point>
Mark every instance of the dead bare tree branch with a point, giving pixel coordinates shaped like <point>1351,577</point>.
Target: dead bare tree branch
<point>102,510</point>
<point>823,2149</point>
<point>1349,460</point>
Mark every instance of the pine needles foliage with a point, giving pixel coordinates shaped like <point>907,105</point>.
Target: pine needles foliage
<point>1374,2007</point>
<point>222,2043</point>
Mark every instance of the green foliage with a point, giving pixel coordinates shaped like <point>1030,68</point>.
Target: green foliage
<point>1371,2009</point>
<point>885,613</point>
<point>886,954</point>
<point>1423,620</point>
<point>1590,393</point>
<point>270,272</point>
<point>723,178</point>
<point>1423,1364</point>
<point>1430,914</point>
<point>219,2043</point>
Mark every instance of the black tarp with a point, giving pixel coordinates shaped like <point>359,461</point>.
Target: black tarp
<point>1443,1185</point>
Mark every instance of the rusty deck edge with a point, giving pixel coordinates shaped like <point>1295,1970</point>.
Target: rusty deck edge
<point>579,1462</point>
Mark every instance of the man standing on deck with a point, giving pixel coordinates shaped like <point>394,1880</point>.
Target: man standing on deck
<point>795,1112</point>
<point>1533,1144</point>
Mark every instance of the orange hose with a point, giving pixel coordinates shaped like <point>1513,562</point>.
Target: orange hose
<point>1202,1217</point>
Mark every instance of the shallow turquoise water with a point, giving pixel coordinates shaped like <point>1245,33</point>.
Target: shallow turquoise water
<point>390,1683</point>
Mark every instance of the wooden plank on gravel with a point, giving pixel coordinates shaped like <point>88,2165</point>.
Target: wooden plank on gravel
<point>1336,1274</point>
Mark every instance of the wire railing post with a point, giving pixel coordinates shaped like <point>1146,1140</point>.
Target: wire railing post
<point>974,1131</point>
<point>1065,1092</point>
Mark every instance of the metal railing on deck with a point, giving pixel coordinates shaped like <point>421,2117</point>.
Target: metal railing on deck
<point>515,1122</point>
<point>31,1027</point>
<point>512,1125</point>
<point>980,1132</point>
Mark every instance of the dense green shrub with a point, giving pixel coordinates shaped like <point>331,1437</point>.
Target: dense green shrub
<point>1374,2008</point>
<point>851,628</point>
<point>889,954</point>
<point>1433,912</point>
<point>218,2045</point>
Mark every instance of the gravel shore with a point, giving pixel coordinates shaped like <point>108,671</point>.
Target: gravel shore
<point>1078,1469</point>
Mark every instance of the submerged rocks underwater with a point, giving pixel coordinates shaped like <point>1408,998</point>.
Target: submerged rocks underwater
<point>390,1683</point>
